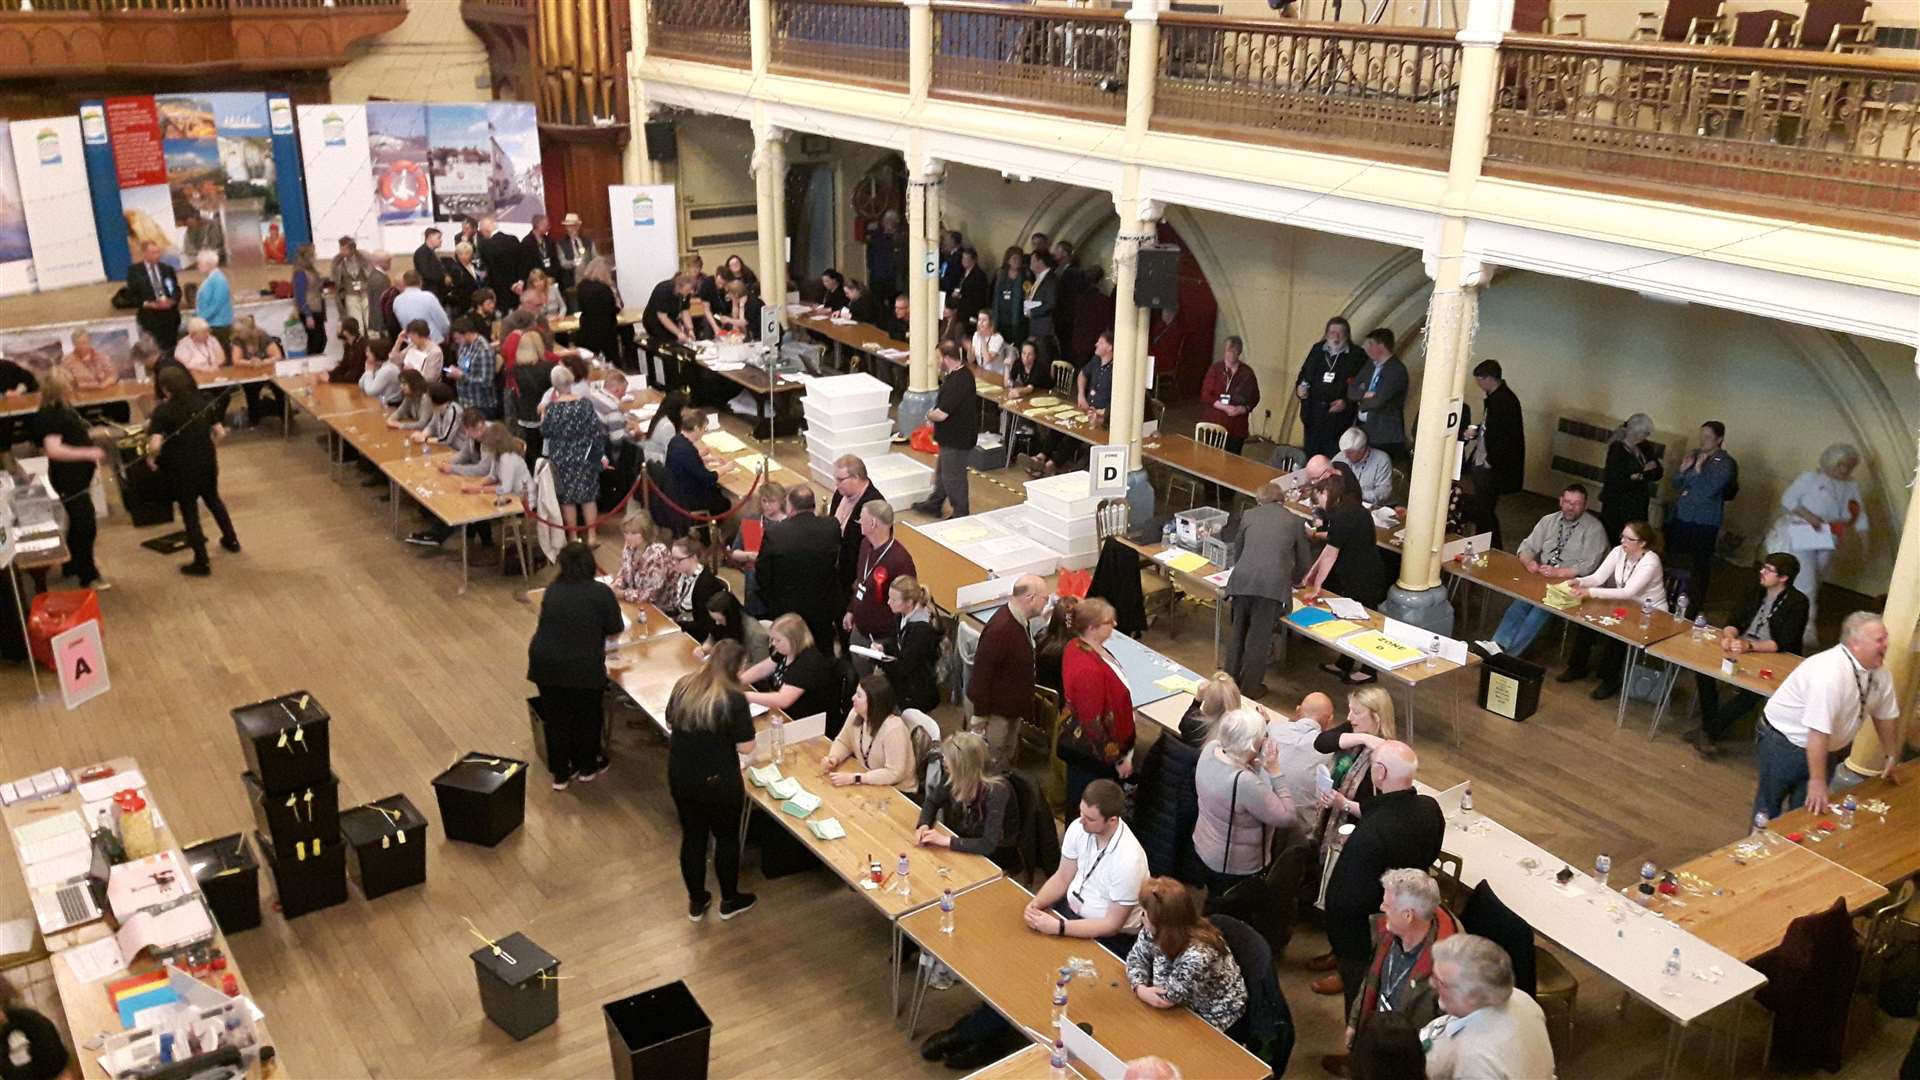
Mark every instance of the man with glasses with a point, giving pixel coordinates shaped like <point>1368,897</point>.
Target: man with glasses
<point>1770,620</point>
<point>1491,1030</point>
<point>1094,894</point>
<point>1565,544</point>
<point>1809,725</point>
<point>851,492</point>
<point>1401,829</point>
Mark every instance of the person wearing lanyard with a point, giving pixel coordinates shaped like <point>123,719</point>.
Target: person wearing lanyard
<point>1399,981</point>
<point>1771,620</point>
<point>874,738</point>
<point>1379,395</point>
<point>1564,544</point>
<point>1322,388</point>
<point>882,559</point>
<point>1811,720</point>
<point>1093,894</point>
<point>1229,393</point>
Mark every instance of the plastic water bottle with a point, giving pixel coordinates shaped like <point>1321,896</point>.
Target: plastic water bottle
<point>1646,613</point>
<point>900,872</point>
<point>1167,532</point>
<point>1057,1062</point>
<point>1060,1001</point>
<point>1602,866</point>
<point>1466,797</point>
<point>1680,607</point>
<point>1673,963</point>
<point>1648,872</point>
<point>777,738</point>
<point>1701,630</point>
<point>1433,654</point>
<point>139,371</point>
<point>1759,824</point>
<point>1847,808</point>
<point>1466,555</point>
<point>946,911</point>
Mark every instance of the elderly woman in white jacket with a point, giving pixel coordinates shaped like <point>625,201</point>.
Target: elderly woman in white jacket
<point>1631,575</point>
<point>1819,510</point>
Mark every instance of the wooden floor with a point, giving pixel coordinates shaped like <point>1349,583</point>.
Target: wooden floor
<point>324,599</point>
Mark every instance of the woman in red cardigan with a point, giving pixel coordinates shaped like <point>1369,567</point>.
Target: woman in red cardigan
<point>1096,730</point>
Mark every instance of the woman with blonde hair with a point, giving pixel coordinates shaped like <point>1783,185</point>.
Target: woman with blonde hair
<point>1352,742</point>
<point>874,738</point>
<point>797,679</point>
<point>646,574</point>
<point>914,648</point>
<point>71,458</point>
<point>1181,959</point>
<point>599,303</point>
<point>712,728</point>
<point>974,806</point>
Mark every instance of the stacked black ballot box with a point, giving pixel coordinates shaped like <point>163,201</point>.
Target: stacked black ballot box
<point>296,799</point>
<point>229,877</point>
<point>483,798</point>
<point>386,845</point>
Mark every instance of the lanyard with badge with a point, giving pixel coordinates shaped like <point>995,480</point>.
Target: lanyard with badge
<point>1079,894</point>
<point>866,572</point>
<point>1332,360</point>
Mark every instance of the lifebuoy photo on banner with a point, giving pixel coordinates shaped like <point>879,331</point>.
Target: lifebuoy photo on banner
<point>397,139</point>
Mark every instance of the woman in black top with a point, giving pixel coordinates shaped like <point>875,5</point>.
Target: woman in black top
<point>599,311</point>
<point>712,728</point>
<point>567,661</point>
<point>694,590</point>
<point>1350,565</point>
<point>15,381</point>
<point>180,439</point>
<point>1632,472</point>
<point>71,457</point>
<point>736,269</point>
<point>1052,646</point>
<point>29,1042</point>
<point>797,679</point>
<point>976,808</point>
<point>914,647</point>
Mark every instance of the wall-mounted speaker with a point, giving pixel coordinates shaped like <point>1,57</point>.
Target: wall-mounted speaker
<point>1156,276</point>
<point>661,144</point>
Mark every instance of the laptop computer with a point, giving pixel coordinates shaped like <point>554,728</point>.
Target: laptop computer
<point>76,901</point>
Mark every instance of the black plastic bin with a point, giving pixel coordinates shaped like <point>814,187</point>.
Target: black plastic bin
<point>1510,686</point>
<point>662,1032</point>
<point>229,878</point>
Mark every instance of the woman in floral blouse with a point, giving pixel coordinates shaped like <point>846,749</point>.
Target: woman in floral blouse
<point>646,574</point>
<point>1180,959</point>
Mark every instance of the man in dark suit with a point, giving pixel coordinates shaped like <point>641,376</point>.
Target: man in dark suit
<point>156,288</point>
<point>798,569</point>
<point>1321,387</point>
<point>1401,829</point>
<point>851,491</point>
<point>1772,619</point>
<point>1497,451</point>
<point>538,251</point>
<point>500,253</point>
<point>1270,554</point>
<point>426,263</point>
<point>1379,396</point>
<point>1041,304</point>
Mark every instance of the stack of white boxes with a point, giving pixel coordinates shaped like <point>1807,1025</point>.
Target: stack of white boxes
<point>848,414</point>
<point>1060,513</point>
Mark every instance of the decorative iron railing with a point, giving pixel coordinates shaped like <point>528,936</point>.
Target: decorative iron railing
<point>860,41</point>
<point>712,31</point>
<point>1070,61</point>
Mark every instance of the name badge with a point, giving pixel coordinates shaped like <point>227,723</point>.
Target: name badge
<point>1225,399</point>
<point>860,592</point>
<point>1326,377</point>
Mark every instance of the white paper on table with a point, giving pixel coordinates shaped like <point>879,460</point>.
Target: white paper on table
<point>16,936</point>
<point>60,868</point>
<point>1104,1063</point>
<point>1219,580</point>
<point>756,710</point>
<point>1343,608</point>
<point>108,786</point>
<point>982,593</point>
<point>1804,537</point>
<point>100,960</point>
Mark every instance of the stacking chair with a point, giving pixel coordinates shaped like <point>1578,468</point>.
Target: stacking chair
<point>1064,374</point>
<point>1045,725</point>
<point>1828,24</point>
<point>1210,435</point>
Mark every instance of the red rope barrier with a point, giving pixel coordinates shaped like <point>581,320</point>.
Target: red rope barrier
<point>700,517</point>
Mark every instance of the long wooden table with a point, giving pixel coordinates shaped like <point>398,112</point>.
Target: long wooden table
<point>942,571</point>
<point>1756,673</point>
<point>992,951</point>
<point>127,391</point>
<point>1750,890</point>
<point>1880,847</point>
<point>88,1010</point>
<point>1032,1063</point>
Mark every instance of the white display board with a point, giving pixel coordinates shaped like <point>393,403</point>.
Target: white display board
<point>646,237</point>
<point>52,171</point>
<point>340,201</point>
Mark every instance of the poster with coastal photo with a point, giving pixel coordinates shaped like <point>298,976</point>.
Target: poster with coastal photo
<point>517,186</point>
<point>460,145</point>
<point>194,177</point>
<point>37,351</point>
<point>16,250</point>
<point>397,139</point>
<point>251,190</point>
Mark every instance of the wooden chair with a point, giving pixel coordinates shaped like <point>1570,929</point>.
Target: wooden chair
<point>1762,29</point>
<point>1205,434</point>
<point>1821,26</point>
<point>1555,990</point>
<point>1446,872</point>
<point>1213,435</point>
<point>1683,20</point>
<point>1064,374</point>
<point>1852,38</point>
<point>1046,724</point>
<point>1574,25</point>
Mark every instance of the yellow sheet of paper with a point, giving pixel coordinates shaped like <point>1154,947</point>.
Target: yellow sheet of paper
<point>750,462</point>
<point>1178,684</point>
<point>723,442</point>
<point>1187,562</point>
<point>1332,629</point>
<point>1044,402</point>
<point>965,534</point>
<point>990,391</point>
<point>1375,643</point>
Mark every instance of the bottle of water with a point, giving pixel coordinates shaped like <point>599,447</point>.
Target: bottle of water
<point>1602,866</point>
<point>777,737</point>
<point>1759,824</point>
<point>139,371</point>
<point>1848,806</point>
<point>1167,532</point>
<point>1646,612</point>
<point>1700,628</point>
<point>1648,872</point>
<point>946,911</point>
<point>1466,797</point>
<point>900,872</point>
<point>1680,607</point>
<point>1057,1062</point>
<point>1466,555</point>
<point>1673,963</point>
<point>1059,1001</point>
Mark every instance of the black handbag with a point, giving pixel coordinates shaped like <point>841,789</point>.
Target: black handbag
<point>1250,898</point>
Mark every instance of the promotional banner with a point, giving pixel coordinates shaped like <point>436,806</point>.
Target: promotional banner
<point>250,210</point>
<point>109,218</point>
<point>461,151</point>
<point>340,201</point>
<point>16,250</point>
<point>140,171</point>
<point>397,137</point>
<point>196,181</point>
<point>52,171</point>
<point>518,188</point>
<point>646,236</point>
<point>286,168</point>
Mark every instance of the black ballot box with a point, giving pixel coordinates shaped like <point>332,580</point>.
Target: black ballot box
<point>285,741</point>
<point>519,984</point>
<point>308,812</point>
<point>386,845</point>
<point>308,875</point>
<point>1510,686</point>
<point>662,1032</point>
<point>229,877</point>
<point>483,798</point>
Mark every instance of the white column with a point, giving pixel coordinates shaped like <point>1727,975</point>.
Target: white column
<point>1138,216</point>
<point>919,50</point>
<point>1143,65</point>
<point>924,177</point>
<point>769,183</point>
<point>1901,616</point>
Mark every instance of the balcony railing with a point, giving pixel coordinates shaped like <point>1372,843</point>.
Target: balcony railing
<point>713,31</point>
<point>1378,92</point>
<point>1836,136</point>
<point>857,41</point>
<point>1064,61</point>
<point>122,7</point>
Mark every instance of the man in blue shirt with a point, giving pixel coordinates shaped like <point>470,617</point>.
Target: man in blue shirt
<point>1707,478</point>
<point>415,302</point>
<point>475,370</point>
<point>1096,381</point>
<point>214,301</point>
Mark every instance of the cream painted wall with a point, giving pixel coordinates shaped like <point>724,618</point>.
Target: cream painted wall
<point>432,56</point>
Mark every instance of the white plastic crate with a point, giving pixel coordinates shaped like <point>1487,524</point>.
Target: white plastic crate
<point>900,478</point>
<point>1077,535</point>
<point>821,417</point>
<point>839,395</point>
<point>846,442</point>
<point>823,457</point>
<point>1066,496</point>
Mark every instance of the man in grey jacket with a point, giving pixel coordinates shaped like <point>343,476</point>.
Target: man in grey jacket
<point>1565,544</point>
<point>1269,554</point>
<point>1379,394</point>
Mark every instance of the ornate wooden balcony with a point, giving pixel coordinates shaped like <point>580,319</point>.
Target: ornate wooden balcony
<point>852,41</point>
<point>710,31</point>
<point>109,37</point>
<point>1067,61</point>
<point>1817,137</point>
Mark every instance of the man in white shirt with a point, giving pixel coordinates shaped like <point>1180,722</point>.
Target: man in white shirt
<point>1299,761</point>
<point>1811,721</point>
<point>1488,1030</point>
<point>1371,467</point>
<point>1095,893</point>
<point>415,302</point>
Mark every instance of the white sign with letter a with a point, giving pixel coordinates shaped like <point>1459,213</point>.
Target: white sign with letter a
<point>1107,467</point>
<point>82,663</point>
